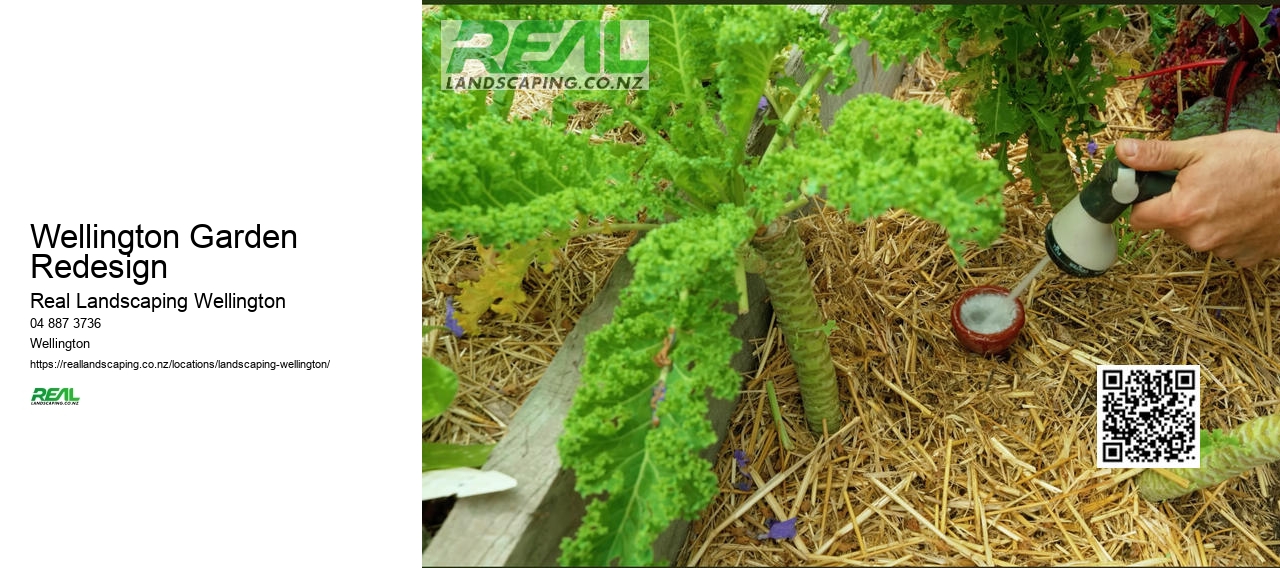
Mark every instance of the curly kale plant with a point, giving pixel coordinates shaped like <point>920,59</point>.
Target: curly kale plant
<point>711,212</point>
<point>1022,69</point>
<point>1223,455</point>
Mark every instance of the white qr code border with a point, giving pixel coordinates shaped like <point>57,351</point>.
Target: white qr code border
<point>1110,379</point>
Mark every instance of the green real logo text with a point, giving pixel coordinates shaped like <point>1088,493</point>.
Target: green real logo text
<point>54,396</point>
<point>544,54</point>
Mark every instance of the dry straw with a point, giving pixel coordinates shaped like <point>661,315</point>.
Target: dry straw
<point>958,459</point>
<point>499,365</point>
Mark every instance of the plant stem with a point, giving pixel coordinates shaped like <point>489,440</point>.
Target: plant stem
<point>740,282</point>
<point>806,91</point>
<point>783,438</point>
<point>786,275</point>
<point>1050,172</point>
<point>1183,67</point>
<point>751,259</point>
<point>614,228</point>
<point>787,278</point>
<point>794,204</point>
<point>1259,445</point>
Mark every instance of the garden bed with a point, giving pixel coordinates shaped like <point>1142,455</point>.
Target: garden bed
<point>952,458</point>
<point>996,454</point>
<point>498,367</point>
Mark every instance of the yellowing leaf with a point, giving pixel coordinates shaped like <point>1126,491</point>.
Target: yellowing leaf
<point>975,47</point>
<point>1124,64</point>
<point>499,288</point>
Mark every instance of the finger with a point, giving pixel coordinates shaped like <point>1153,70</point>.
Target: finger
<point>1244,259</point>
<point>1227,252</point>
<point>1156,213</point>
<point>1150,155</point>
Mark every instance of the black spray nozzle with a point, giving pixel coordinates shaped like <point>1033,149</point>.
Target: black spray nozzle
<point>1080,239</point>
<point>1107,196</point>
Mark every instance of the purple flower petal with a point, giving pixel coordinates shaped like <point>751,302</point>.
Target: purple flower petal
<point>1271,17</point>
<point>1092,147</point>
<point>450,321</point>
<point>763,104</point>
<point>741,457</point>
<point>780,529</point>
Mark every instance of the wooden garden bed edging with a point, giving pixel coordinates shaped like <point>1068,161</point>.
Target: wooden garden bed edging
<point>524,526</point>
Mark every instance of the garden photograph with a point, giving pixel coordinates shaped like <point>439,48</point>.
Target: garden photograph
<point>864,285</point>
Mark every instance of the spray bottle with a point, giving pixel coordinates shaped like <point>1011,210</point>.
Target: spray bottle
<point>1080,239</point>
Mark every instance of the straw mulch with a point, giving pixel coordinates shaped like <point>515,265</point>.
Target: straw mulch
<point>948,457</point>
<point>497,367</point>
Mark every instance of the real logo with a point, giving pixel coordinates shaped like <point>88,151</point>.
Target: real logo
<point>54,395</point>
<point>542,54</point>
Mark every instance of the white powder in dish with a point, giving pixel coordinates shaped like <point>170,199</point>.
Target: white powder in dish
<point>988,313</point>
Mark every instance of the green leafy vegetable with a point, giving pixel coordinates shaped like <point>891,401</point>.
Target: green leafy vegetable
<point>1223,455</point>
<point>638,420</point>
<point>882,153</point>
<point>510,181</point>
<point>1029,69</point>
<point>746,49</point>
<point>1257,106</point>
<point>439,386</point>
<point>446,456</point>
<point>891,31</point>
<point>1164,23</point>
<point>646,476</point>
<point>1024,69</point>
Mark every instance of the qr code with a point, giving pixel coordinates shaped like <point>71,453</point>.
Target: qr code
<point>1148,416</point>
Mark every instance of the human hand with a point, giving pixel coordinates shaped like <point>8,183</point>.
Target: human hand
<point>1227,195</point>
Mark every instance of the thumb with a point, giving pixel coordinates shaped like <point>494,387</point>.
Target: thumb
<point>1150,155</point>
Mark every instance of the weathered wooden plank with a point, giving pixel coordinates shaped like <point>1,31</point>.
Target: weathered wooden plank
<point>524,526</point>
